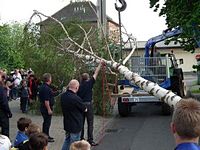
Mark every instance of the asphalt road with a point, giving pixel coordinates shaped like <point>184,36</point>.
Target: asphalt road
<point>144,129</point>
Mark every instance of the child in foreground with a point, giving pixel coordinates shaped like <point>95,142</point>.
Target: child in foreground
<point>185,124</point>
<point>22,125</point>
<point>80,145</point>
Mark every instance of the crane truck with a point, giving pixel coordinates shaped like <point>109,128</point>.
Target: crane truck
<point>162,69</point>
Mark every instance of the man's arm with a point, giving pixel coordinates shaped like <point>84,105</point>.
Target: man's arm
<point>97,70</point>
<point>48,107</point>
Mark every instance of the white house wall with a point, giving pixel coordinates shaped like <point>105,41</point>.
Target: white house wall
<point>188,58</point>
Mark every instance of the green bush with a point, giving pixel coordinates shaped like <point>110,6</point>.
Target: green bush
<point>34,108</point>
<point>57,106</point>
<point>102,102</point>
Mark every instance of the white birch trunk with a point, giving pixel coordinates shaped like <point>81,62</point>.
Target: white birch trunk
<point>152,88</point>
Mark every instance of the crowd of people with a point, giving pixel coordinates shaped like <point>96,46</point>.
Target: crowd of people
<point>21,85</point>
<point>76,105</point>
<point>25,87</point>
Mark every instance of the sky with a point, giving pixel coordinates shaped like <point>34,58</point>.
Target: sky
<point>138,18</point>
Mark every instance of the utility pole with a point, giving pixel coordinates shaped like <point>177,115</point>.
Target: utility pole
<point>101,14</point>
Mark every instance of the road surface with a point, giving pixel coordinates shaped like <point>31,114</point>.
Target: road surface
<point>144,129</point>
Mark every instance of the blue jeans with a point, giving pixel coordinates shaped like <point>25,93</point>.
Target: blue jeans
<point>14,93</point>
<point>69,139</point>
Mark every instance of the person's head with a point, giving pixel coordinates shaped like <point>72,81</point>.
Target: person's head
<point>73,85</point>
<point>24,83</point>
<point>47,78</point>
<point>31,76</point>
<point>85,77</point>
<point>185,123</point>
<point>23,123</point>
<point>16,71</point>
<point>33,129</point>
<point>2,76</point>
<point>80,145</point>
<point>38,141</point>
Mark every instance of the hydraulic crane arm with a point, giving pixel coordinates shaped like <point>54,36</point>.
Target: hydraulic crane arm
<point>166,34</point>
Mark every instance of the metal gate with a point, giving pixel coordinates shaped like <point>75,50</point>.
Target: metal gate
<point>151,68</point>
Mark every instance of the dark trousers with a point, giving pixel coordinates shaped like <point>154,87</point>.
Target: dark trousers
<point>89,116</point>
<point>24,103</point>
<point>4,124</point>
<point>46,123</point>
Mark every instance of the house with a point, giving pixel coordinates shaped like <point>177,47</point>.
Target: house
<point>84,11</point>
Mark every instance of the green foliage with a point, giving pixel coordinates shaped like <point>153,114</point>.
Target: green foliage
<point>34,108</point>
<point>42,49</point>
<point>196,91</point>
<point>10,51</point>
<point>57,107</point>
<point>197,67</point>
<point>42,54</point>
<point>102,100</point>
<point>184,14</point>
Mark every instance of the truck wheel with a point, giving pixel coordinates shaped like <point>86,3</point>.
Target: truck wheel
<point>166,109</point>
<point>123,108</point>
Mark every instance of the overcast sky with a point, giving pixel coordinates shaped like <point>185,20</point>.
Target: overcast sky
<point>138,18</point>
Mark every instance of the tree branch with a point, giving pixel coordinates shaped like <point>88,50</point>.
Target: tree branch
<point>86,37</point>
<point>65,31</point>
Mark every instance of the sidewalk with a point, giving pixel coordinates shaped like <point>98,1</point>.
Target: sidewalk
<point>56,129</point>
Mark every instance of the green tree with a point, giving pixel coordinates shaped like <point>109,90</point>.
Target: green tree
<point>40,52</point>
<point>10,51</point>
<point>184,14</point>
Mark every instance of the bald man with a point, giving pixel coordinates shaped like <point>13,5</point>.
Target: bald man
<point>73,110</point>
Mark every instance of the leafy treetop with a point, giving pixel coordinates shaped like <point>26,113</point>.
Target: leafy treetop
<point>184,14</point>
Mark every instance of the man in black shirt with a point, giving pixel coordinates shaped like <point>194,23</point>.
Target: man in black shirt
<point>73,110</point>
<point>46,97</point>
<point>85,92</point>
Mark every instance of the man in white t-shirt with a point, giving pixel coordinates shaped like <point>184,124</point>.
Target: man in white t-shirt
<point>17,80</point>
<point>5,143</point>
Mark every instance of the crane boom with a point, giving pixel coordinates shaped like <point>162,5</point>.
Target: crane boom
<point>166,34</point>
